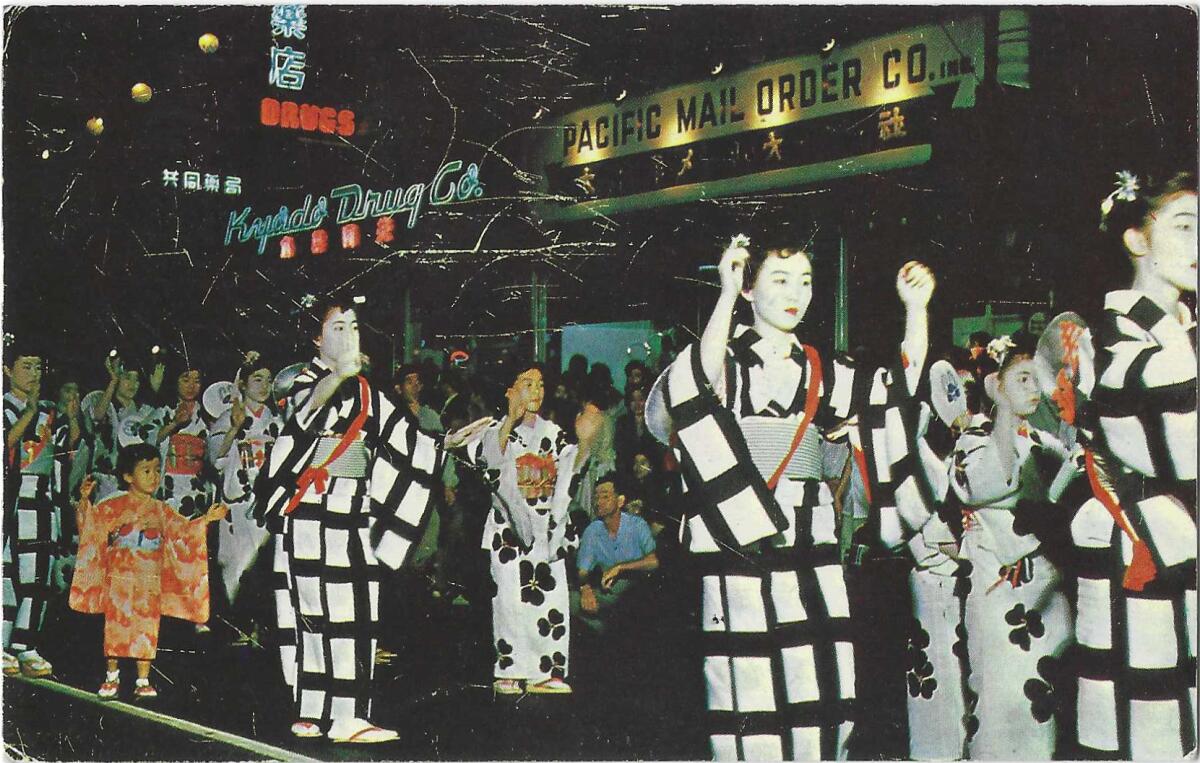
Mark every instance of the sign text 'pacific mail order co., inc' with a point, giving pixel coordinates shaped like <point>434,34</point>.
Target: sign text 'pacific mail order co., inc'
<point>883,70</point>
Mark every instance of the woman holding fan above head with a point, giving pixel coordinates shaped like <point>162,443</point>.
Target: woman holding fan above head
<point>748,403</point>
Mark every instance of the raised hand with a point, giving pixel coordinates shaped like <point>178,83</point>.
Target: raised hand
<point>465,434</point>
<point>915,284</point>
<point>349,364</point>
<point>112,364</point>
<point>86,488</point>
<point>587,425</point>
<point>156,376</point>
<point>731,268</point>
<point>237,414</point>
<point>216,512</point>
<point>518,402</point>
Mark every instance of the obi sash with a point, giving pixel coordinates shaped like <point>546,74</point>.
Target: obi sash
<point>770,439</point>
<point>185,455</point>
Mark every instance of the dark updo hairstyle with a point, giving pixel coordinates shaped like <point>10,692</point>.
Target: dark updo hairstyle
<point>245,369</point>
<point>132,455</point>
<point>323,307</point>
<point>1154,190</point>
<point>758,256</point>
<point>1025,349</point>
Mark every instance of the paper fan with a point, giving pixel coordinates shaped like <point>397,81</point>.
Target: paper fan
<point>946,392</point>
<point>658,420</point>
<point>218,398</point>
<point>1065,363</point>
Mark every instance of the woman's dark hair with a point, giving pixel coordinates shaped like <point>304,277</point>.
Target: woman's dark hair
<point>759,256</point>
<point>132,455</point>
<point>1025,349</point>
<point>246,369</point>
<point>323,307</point>
<point>1154,190</point>
<point>519,366</point>
<point>979,339</point>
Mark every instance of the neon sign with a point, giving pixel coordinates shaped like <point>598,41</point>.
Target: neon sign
<point>302,116</point>
<point>287,65</point>
<point>192,182</point>
<point>355,204</point>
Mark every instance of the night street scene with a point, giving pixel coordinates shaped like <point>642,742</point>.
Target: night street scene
<point>599,382</point>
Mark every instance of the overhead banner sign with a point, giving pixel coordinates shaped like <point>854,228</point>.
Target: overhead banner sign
<point>884,70</point>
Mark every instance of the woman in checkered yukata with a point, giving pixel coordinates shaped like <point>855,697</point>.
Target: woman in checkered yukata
<point>778,640</point>
<point>36,461</point>
<point>1135,540</point>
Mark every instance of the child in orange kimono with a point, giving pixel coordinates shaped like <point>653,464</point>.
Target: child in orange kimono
<point>138,560</point>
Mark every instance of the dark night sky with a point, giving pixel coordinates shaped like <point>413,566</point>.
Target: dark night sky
<point>93,242</point>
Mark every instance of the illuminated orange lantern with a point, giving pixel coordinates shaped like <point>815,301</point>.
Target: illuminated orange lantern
<point>350,236</point>
<point>320,242</point>
<point>287,248</point>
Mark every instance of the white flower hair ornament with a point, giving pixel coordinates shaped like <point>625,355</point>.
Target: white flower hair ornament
<point>739,241</point>
<point>1127,187</point>
<point>999,348</point>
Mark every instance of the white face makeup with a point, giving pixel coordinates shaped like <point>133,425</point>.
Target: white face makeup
<point>1018,389</point>
<point>782,291</point>
<point>1169,251</point>
<point>339,336</point>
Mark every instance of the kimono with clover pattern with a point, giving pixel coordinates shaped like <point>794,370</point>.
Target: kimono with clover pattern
<point>1017,619</point>
<point>529,535</point>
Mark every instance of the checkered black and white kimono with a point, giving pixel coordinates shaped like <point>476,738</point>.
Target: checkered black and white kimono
<point>1137,649</point>
<point>34,497</point>
<point>330,546</point>
<point>779,656</point>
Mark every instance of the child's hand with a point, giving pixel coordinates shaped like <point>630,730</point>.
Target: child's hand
<point>86,488</point>
<point>217,512</point>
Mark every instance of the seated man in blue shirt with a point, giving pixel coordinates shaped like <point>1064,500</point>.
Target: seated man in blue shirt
<point>614,544</point>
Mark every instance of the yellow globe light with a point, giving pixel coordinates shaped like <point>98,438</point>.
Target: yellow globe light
<point>141,92</point>
<point>95,125</point>
<point>209,42</point>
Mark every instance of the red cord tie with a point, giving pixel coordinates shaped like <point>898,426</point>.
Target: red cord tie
<point>1141,569</point>
<point>810,410</point>
<point>318,476</point>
